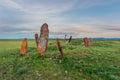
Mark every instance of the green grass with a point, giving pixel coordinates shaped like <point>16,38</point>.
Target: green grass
<point>101,61</point>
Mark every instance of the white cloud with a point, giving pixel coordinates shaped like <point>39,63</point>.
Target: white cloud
<point>38,7</point>
<point>28,15</point>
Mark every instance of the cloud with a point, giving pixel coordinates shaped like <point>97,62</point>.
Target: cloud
<point>38,6</point>
<point>88,3</point>
<point>75,30</point>
<point>107,26</point>
<point>39,11</point>
<point>26,17</point>
<point>115,29</point>
<point>98,29</point>
<point>112,27</point>
<point>36,12</point>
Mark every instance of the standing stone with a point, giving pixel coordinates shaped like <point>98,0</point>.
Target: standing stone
<point>59,48</point>
<point>86,42</point>
<point>70,39</point>
<point>36,39</point>
<point>43,40</point>
<point>90,41</point>
<point>65,37</point>
<point>94,42</point>
<point>23,49</point>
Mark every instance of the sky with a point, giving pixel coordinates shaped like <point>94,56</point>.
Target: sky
<point>77,18</point>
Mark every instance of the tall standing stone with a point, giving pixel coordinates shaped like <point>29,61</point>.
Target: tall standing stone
<point>43,40</point>
<point>23,49</point>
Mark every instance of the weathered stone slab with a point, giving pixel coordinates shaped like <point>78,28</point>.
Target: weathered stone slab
<point>86,42</point>
<point>43,41</point>
<point>23,49</point>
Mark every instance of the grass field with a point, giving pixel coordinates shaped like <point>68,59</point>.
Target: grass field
<point>101,61</point>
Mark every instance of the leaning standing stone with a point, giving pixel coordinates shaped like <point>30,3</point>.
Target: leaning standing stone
<point>59,48</point>
<point>43,41</point>
<point>70,39</point>
<point>23,49</point>
<point>65,37</point>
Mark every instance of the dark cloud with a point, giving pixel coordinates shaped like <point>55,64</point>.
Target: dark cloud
<point>114,29</point>
<point>107,26</point>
